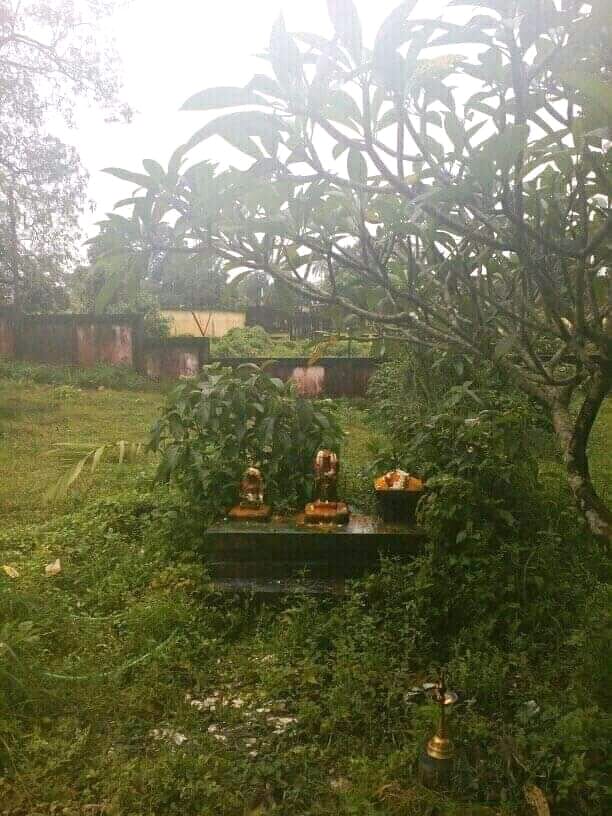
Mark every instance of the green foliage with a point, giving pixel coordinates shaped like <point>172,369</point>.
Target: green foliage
<point>254,341</point>
<point>476,218</point>
<point>416,389</point>
<point>411,384</point>
<point>210,432</point>
<point>130,639</point>
<point>36,418</point>
<point>98,376</point>
<point>51,60</point>
<point>88,457</point>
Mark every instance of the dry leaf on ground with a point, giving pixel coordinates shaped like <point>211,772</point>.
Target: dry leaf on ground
<point>54,568</point>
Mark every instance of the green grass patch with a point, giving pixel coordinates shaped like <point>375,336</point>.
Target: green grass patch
<point>97,376</point>
<point>129,686</point>
<point>34,418</point>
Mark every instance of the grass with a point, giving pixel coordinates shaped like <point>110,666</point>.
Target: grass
<point>34,418</point>
<point>600,458</point>
<point>136,690</point>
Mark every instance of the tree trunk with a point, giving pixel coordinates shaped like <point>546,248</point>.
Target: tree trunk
<point>574,437</point>
<point>13,253</point>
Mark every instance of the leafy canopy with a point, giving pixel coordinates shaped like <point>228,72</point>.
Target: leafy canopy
<point>449,183</point>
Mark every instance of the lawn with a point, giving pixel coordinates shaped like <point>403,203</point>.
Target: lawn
<point>34,418</point>
<point>137,690</point>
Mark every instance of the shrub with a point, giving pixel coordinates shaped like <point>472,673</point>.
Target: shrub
<point>99,376</point>
<point>511,590</point>
<point>211,431</point>
<point>254,341</point>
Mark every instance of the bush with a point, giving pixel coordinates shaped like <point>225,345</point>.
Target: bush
<point>211,432</point>
<point>254,341</point>
<point>118,377</point>
<point>98,656</point>
<point>511,591</point>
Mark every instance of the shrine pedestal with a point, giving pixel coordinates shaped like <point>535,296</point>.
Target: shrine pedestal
<point>288,555</point>
<point>323,512</point>
<point>261,513</point>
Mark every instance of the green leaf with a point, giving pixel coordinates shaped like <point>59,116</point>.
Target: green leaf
<point>345,20</point>
<point>60,488</point>
<point>124,202</point>
<point>220,97</point>
<point>388,118</point>
<point>503,148</point>
<point>455,131</point>
<point>174,165</point>
<point>341,107</point>
<point>504,346</point>
<point>237,128</point>
<point>390,70</point>
<point>135,178</point>
<point>285,56</point>
<point>265,85</point>
<point>108,290</point>
<point>155,170</point>
<point>356,166</point>
<point>591,85</point>
<point>394,30</point>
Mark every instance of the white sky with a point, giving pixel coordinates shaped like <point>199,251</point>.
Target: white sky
<point>170,50</point>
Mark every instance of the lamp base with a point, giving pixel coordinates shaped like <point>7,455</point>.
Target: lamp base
<point>260,512</point>
<point>434,773</point>
<point>323,512</point>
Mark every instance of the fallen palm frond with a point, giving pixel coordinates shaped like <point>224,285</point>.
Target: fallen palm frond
<point>79,456</point>
<point>535,797</point>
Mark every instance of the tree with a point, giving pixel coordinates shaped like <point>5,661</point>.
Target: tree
<point>180,282</point>
<point>49,56</point>
<point>458,175</point>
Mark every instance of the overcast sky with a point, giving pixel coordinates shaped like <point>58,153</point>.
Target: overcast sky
<point>168,50</point>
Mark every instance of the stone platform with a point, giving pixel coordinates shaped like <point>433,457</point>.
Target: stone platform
<point>285,555</point>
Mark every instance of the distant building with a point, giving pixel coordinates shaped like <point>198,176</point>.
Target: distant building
<point>202,322</point>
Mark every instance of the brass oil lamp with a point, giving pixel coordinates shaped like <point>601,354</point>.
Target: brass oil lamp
<point>436,761</point>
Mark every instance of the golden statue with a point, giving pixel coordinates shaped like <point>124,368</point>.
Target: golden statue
<point>326,509</point>
<point>251,506</point>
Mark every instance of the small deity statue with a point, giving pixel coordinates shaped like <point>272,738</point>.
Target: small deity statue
<point>326,509</point>
<point>326,475</point>
<point>399,480</point>
<point>397,496</point>
<point>251,505</point>
<point>251,488</point>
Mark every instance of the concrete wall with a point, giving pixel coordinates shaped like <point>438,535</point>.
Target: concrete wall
<point>175,357</point>
<point>214,323</point>
<point>298,323</point>
<point>117,339</point>
<point>8,334</point>
<point>330,377</point>
<point>66,339</point>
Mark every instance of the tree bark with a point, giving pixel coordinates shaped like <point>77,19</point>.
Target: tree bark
<point>574,436</point>
<point>14,250</point>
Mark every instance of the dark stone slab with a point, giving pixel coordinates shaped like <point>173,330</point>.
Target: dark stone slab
<point>284,554</point>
